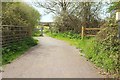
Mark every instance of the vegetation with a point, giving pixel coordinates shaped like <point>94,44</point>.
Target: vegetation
<point>107,44</point>
<point>71,16</point>
<point>20,14</point>
<point>115,6</point>
<point>104,49</point>
<point>104,54</point>
<point>36,33</point>
<point>14,50</point>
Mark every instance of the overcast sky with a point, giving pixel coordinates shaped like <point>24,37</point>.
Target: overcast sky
<point>44,17</point>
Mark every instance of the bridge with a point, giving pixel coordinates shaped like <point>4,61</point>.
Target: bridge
<point>46,23</point>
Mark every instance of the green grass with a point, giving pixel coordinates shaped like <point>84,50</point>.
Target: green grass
<point>91,50</point>
<point>14,50</point>
<point>86,44</point>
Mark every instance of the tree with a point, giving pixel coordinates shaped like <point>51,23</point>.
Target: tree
<point>77,13</point>
<point>57,7</point>
<point>63,12</point>
<point>19,14</point>
<point>114,6</point>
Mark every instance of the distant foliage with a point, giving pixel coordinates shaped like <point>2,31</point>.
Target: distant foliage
<point>115,6</point>
<point>36,33</point>
<point>67,22</point>
<point>71,16</point>
<point>69,35</point>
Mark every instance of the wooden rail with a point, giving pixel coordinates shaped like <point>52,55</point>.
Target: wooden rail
<point>11,34</point>
<point>92,28</point>
<point>85,30</point>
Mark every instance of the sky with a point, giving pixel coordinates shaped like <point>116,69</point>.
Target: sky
<point>44,17</point>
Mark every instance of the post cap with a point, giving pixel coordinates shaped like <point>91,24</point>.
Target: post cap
<point>117,16</point>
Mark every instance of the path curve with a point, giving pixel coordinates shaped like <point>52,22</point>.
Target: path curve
<point>51,58</point>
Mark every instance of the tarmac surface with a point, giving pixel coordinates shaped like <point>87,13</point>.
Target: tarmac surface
<point>51,58</point>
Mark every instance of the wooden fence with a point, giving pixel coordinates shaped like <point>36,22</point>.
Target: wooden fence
<point>89,31</point>
<point>11,34</point>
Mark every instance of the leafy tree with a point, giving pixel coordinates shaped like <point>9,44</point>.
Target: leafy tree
<point>114,6</point>
<point>73,15</point>
<point>19,14</point>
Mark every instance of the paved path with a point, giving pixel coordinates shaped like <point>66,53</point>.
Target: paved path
<point>51,58</point>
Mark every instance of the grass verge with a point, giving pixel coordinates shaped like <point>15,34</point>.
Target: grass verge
<point>90,48</point>
<point>14,50</point>
<point>86,44</point>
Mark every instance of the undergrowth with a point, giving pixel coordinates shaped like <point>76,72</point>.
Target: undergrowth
<point>98,54</point>
<point>36,33</point>
<point>14,50</point>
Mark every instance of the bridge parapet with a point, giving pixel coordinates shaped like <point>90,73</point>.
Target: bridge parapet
<point>46,23</point>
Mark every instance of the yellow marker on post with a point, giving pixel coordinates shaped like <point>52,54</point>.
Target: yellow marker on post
<point>118,21</point>
<point>82,34</point>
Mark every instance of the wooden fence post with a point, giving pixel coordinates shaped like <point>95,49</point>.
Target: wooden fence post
<point>82,34</point>
<point>118,21</point>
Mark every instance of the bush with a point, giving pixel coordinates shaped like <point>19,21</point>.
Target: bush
<point>69,35</point>
<point>103,51</point>
<point>14,50</point>
<point>36,33</point>
<point>66,22</point>
<point>20,14</point>
<point>107,48</point>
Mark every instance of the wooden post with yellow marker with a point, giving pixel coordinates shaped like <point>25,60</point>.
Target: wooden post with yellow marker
<point>83,32</point>
<point>118,21</point>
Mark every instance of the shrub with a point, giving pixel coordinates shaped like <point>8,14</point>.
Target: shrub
<point>67,22</point>
<point>14,50</point>
<point>103,51</point>
<point>37,33</point>
<point>108,49</point>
